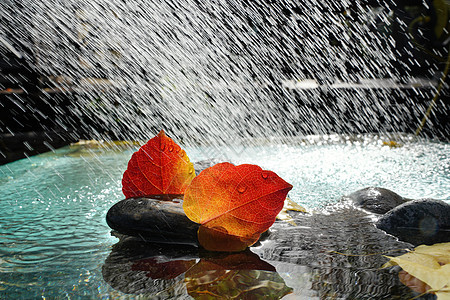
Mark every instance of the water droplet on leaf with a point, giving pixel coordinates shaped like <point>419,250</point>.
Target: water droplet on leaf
<point>241,188</point>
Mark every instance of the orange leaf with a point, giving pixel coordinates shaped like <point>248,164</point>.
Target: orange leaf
<point>239,201</point>
<point>158,167</point>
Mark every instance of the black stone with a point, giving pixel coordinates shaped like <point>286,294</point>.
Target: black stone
<point>376,200</point>
<point>156,219</point>
<point>418,222</point>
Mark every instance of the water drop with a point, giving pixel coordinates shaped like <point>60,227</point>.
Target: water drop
<point>264,175</point>
<point>241,188</point>
<point>163,147</point>
<point>170,148</point>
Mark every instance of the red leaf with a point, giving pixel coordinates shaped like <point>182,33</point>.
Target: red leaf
<point>158,167</point>
<point>239,201</point>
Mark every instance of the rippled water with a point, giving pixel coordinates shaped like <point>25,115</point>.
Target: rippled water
<point>54,239</point>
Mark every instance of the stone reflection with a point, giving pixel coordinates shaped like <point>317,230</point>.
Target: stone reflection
<point>169,271</point>
<point>150,269</point>
<point>342,254</point>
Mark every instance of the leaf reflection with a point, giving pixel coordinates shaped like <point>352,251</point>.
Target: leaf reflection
<point>236,276</point>
<point>176,271</point>
<point>162,270</point>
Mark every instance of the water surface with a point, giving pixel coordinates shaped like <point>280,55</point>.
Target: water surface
<point>54,239</point>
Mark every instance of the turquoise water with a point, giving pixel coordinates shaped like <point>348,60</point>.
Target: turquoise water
<point>53,235</point>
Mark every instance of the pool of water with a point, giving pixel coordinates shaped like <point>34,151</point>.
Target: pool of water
<point>54,239</point>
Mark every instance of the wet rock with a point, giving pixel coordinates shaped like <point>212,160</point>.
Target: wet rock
<point>376,200</point>
<point>157,219</point>
<point>424,221</point>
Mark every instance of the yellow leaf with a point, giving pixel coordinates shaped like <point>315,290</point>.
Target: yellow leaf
<point>289,205</point>
<point>391,144</point>
<point>440,251</point>
<point>293,206</point>
<point>430,264</point>
<point>443,295</point>
<point>435,278</point>
<point>419,258</point>
<point>284,216</point>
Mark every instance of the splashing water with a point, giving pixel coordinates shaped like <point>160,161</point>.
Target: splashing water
<point>215,70</point>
